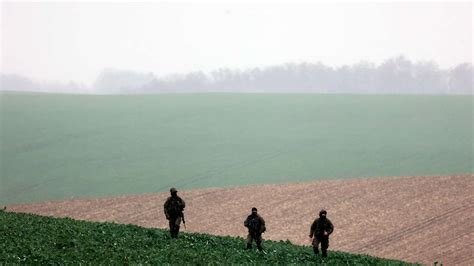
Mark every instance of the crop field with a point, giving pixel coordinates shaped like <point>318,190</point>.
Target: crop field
<point>70,146</point>
<point>420,219</point>
<point>31,239</point>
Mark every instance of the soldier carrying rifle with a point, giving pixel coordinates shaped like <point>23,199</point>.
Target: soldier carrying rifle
<point>256,226</point>
<point>173,208</point>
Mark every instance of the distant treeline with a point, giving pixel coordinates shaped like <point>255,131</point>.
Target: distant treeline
<point>394,76</point>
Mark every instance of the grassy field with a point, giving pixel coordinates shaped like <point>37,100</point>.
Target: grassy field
<point>64,146</point>
<point>32,239</point>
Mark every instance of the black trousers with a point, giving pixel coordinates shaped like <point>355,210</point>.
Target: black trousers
<point>254,237</point>
<point>324,241</point>
<point>174,223</point>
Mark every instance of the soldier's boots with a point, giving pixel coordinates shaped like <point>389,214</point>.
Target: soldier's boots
<point>325,253</point>
<point>259,247</point>
<point>316,250</point>
<point>174,232</point>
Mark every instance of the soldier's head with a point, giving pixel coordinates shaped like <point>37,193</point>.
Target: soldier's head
<point>173,191</point>
<point>322,214</point>
<point>254,211</point>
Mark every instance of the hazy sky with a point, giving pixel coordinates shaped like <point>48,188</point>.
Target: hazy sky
<point>75,41</point>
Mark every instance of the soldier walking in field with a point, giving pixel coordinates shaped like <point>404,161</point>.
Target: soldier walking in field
<point>173,208</point>
<point>321,229</point>
<point>256,226</point>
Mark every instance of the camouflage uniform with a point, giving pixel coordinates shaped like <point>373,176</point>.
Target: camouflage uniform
<point>319,226</point>
<point>173,209</point>
<point>256,226</point>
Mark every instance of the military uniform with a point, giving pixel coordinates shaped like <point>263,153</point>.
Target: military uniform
<point>256,226</point>
<point>318,229</point>
<point>173,209</point>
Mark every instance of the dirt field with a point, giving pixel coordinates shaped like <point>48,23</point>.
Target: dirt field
<point>416,219</point>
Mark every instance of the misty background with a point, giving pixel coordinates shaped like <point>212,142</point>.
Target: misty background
<point>159,47</point>
<point>394,76</point>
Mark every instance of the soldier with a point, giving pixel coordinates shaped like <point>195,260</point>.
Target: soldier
<point>256,226</point>
<point>174,207</point>
<point>321,229</point>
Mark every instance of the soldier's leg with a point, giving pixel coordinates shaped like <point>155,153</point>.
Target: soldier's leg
<point>177,226</point>
<point>315,245</point>
<point>171,225</point>
<point>324,246</point>
<point>249,241</point>
<point>176,231</point>
<point>258,240</point>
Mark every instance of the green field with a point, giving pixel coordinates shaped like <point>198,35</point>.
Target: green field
<point>31,239</point>
<point>64,146</point>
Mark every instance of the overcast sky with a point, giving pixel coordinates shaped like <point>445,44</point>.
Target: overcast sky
<point>75,41</point>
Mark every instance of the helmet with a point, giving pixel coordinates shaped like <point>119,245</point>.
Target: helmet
<point>254,209</point>
<point>173,190</point>
<point>323,212</point>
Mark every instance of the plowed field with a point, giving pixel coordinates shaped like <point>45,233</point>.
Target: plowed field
<point>416,219</point>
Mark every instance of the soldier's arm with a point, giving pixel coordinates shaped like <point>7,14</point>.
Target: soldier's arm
<point>183,204</point>
<point>313,228</point>
<point>165,207</point>
<point>246,222</point>
<point>331,227</point>
<point>263,228</point>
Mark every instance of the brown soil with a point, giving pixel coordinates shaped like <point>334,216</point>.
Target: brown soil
<point>416,219</point>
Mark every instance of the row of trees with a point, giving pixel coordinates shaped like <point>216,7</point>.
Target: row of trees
<point>21,83</point>
<point>394,76</point>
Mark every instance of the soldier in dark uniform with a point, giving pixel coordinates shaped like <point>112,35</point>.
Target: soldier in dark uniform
<point>173,208</point>
<point>256,226</point>
<point>321,229</point>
